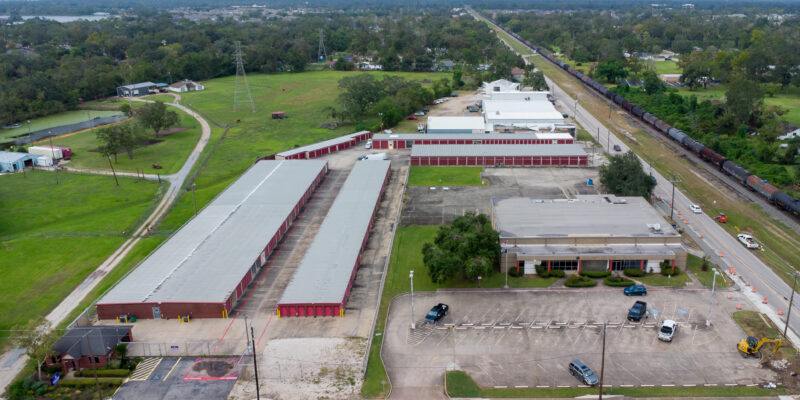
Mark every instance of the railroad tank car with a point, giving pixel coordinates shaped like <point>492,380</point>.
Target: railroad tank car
<point>754,182</point>
<point>735,170</point>
<point>637,111</point>
<point>768,190</point>
<point>649,118</point>
<point>697,147</point>
<point>787,202</point>
<point>677,135</point>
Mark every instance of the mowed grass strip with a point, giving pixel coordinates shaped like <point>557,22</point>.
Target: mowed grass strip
<point>460,384</point>
<point>171,151</point>
<point>50,121</point>
<point>706,278</point>
<point>407,256</point>
<point>445,176</point>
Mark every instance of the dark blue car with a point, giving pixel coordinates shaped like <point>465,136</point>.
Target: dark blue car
<point>635,290</point>
<point>436,313</point>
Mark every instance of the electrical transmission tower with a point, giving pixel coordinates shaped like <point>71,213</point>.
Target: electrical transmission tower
<point>321,55</point>
<point>238,90</point>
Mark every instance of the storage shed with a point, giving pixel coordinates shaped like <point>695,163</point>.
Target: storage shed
<point>205,267</point>
<point>321,284</point>
<point>325,147</point>
<point>409,140</point>
<point>11,161</point>
<point>499,155</point>
<point>136,89</point>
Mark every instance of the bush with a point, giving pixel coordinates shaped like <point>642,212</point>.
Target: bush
<point>515,272</point>
<point>667,270</point>
<point>579,281</point>
<point>114,364</point>
<point>541,270</point>
<point>618,281</point>
<point>595,274</point>
<point>80,383</point>
<point>633,272</point>
<point>103,373</point>
<point>556,273</point>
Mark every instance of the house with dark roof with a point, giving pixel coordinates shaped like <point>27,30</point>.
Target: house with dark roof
<point>137,89</point>
<point>87,346</point>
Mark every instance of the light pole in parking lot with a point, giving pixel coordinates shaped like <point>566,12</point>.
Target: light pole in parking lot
<point>789,313</point>
<point>711,300</point>
<point>505,250</point>
<point>676,178</point>
<point>602,362</point>
<point>411,276</point>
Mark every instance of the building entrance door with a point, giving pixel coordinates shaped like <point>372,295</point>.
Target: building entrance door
<point>156,312</point>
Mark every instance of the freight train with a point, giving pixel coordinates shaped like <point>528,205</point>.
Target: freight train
<point>745,178</point>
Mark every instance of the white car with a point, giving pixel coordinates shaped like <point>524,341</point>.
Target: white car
<point>368,145</point>
<point>747,241</point>
<point>667,331</point>
<point>696,209</point>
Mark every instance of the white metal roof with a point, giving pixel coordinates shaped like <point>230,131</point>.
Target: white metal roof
<point>521,110</point>
<point>320,145</point>
<point>210,254</point>
<point>473,150</point>
<point>326,268</point>
<point>467,124</point>
<point>519,95</point>
<point>461,136</point>
<point>139,85</point>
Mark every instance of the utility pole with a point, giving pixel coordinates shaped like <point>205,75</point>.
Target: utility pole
<point>602,362</point>
<point>195,199</point>
<point>789,313</point>
<point>411,276</point>
<point>711,300</point>
<point>505,250</point>
<point>255,362</point>
<point>321,54</point>
<point>237,96</point>
<point>676,178</point>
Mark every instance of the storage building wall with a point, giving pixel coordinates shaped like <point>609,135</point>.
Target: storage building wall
<point>499,160</point>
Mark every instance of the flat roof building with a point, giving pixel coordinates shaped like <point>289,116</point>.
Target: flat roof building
<point>524,113</point>
<point>136,89</point>
<point>321,284</point>
<point>204,268</point>
<point>12,161</point>
<point>455,125</point>
<point>590,232</point>
<point>499,155</point>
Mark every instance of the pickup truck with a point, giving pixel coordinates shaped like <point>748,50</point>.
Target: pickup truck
<point>638,311</point>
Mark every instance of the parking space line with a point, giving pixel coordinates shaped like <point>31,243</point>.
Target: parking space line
<point>668,385</point>
<point>709,384</point>
<point>542,386</point>
<point>171,369</point>
<point>731,384</point>
<point>692,385</point>
<point>501,387</point>
<point>521,387</point>
<point>563,386</point>
<point>625,385</point>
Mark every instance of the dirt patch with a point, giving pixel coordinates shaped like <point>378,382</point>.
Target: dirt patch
<point>213,368</point>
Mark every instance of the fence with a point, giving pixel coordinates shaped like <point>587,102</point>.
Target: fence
<point>183,348</point>
<point>64,129</point>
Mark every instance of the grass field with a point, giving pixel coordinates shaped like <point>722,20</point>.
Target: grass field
<point>170,153</point>
<point>163,97</point>
<point>407,256</point>
<point>664,67</point>
<point>64,118</point>
<point>57,234</point>
<point>460,384</point>
<point>695,264</point>
<point>445,176</point>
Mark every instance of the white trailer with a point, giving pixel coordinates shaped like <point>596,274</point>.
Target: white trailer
<point>46,151</point>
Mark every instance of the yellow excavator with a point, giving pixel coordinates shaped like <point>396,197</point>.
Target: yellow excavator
<point>751,347</point>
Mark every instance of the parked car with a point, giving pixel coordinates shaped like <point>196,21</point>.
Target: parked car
<point>637,312</point>
<point>583,373</point>
<point>454,95</point>
<point>747,241</point>
<point>565,115</point>
<point>472,108</point>
<point>368,145</point>
<point>412,117</point>
<point>617,147</point>
<point>436,313</point>
<point>635,290</point>
<point>425,110</point>
<point>695,209</point>
<point>420,113</point>
<point>362,158</point>
<point>667,331</point>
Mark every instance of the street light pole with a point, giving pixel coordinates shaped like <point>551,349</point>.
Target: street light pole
<point>602,362</point>
<point>711,300</point>
<point>789,313</point>
<point>411,277</point>
<point>676,178</point>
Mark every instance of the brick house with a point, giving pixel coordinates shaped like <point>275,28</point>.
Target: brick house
<point>72,351</point>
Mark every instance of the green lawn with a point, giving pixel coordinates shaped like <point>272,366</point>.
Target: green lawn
<point>163,97</point>
<point>665,67</point>
<point>407,256</point>
<point>64,118</point>
<point>52,236</point>
<point>460,384</point>
<point>695,263</point>
<point>445,176</point>
<point>661,280</point>
<point>170,153</point>
<point>755,324</point>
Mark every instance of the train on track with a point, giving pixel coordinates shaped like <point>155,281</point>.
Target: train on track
<point>745,178</point>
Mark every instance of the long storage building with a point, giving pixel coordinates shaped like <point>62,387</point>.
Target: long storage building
<point>324,147</point>
<point>322,282</point>
<point>499,155</point>
<point>409,140</point>
<point>204,268</point>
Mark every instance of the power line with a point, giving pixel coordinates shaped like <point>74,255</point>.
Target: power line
<point>239,88</point>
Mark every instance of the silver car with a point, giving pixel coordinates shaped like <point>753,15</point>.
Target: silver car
<point>667,331</point>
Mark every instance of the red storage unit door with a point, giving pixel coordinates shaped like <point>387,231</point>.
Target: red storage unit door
<point>319,311</point>
<point>301,311</point>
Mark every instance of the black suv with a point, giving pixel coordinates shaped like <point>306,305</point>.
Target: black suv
<point>638,311</point>
<point>436,313</point>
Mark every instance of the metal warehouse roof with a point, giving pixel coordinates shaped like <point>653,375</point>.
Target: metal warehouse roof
<point>520,110</point>
<point>326,268</point>
<point>320,145</point>
<point>12,156</point>
<point>453,123</point>
<point>139,85</point>
<point>591,215</point>
<point>461,136</point>
<point>209,256</point>
<point>471,150</point>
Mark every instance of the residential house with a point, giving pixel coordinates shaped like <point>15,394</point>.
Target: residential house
<point>517,74</point>
<point>87,346</point>
<point>185,86</point>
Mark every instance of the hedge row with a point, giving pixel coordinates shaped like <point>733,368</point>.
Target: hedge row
<point>542,271</point>
<point>104,373</point>
<point>80,383</point>
<point>633,272</point>
<point>595,274</point>
<point>669,271</point>
<point>579,281</point>
<point>618,281</point>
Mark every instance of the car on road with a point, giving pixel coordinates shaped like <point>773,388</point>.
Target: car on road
<point>617,147</point>
<point>362,158</point>
<point>436,313</point>
<point>695,209</point>
<point>635,290</point>
<point>667,331</point>
<point>412,117</point>
<point>583,373</point>
<point>637,312</point>
<point>368,145</point>
<point>747,241</point>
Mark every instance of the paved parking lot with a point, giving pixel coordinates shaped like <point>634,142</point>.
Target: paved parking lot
<point>527,338</point>
<point>166,381</point>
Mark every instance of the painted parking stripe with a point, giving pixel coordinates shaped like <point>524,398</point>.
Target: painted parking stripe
<point>145,369</point>
<point>692,385</point>
<point>563,386</point>
<point>501,387</point>
<point>625,385</point>
<point>543,386</point>
<point>172,369</point>
<point>731,384</point>
<point>521,387</point>
<point>648,385</point>
<point>709,384</point>
<point>668,385</point>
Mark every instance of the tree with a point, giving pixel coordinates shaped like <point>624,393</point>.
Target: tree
<point>653,85</point>
<point>468,248</point>
<point>156,116</point>
<point>624,176</point>
<point>457,82</point>
<point>117,138</point>
<point>535,79</point>
<point>37,339</point>
<point>126,109</point>
<point>611,70</point>
<point>743,100</point>
<point>342,65</point>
